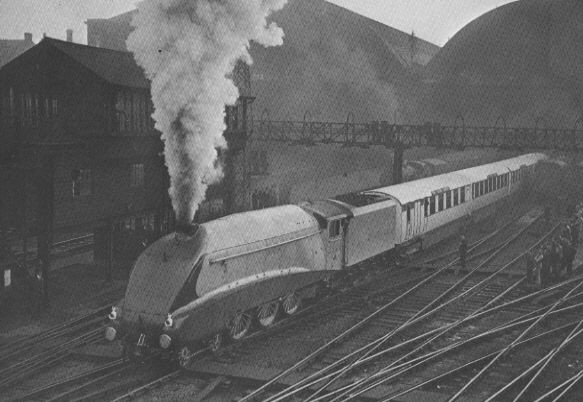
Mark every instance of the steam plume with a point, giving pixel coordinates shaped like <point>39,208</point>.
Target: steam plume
<point>188,48</point>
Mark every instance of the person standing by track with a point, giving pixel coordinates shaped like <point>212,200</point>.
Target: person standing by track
<point>568,257</point>
<point>462,250</point>
<point>530,268</point>
<point>545,270</point>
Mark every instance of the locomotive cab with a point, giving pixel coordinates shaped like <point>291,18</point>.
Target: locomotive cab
<point>333,218</point>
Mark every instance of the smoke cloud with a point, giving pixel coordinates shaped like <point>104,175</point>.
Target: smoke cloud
<point>188,49</point>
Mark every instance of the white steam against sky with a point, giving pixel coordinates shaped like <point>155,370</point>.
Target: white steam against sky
<point>188,48</point>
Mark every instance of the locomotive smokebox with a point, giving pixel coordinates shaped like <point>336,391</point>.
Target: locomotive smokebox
<point>188,229</point>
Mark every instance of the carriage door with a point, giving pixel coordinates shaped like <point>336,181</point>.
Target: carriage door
<point>335,247</point>
<point>419,218</point>
<point>413,216</point>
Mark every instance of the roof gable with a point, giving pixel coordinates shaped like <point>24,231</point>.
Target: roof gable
<point>115,67</point>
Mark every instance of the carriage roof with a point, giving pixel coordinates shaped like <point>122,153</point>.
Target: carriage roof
<point>412,191</point>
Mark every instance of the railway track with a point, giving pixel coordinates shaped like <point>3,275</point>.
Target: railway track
<point>26,356</point>
<point>384,288</point>
<point>448,300</point>
<point>93,383</point>
<point>320,380</point>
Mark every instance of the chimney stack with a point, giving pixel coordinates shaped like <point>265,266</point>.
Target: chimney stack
<point>69,35</point>
<point>28,37</point>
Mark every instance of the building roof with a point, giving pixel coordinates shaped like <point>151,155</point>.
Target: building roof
<point>332,62</point>
<point>113,66</point>
<point>519,61</point>
<point>11,48</point>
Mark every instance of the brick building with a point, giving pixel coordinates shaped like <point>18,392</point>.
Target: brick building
<point>80,152</point>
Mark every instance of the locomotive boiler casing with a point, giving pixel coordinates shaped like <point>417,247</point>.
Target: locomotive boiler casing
<point>229,265</point>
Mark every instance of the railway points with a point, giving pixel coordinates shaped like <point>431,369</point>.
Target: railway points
<point>265,373</point>
<point>411,329</point>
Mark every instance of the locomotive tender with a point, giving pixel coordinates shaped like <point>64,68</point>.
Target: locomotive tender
<point>189,288</point>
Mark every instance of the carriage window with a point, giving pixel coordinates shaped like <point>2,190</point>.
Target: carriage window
<point>474,190</point>
<point>440,202</point>
<point>409,208</point>
<point>432,205</point>
<point>426,207</point>
<point>462,195</point>
<point>481,188</point>
<point>455,197</point>
<point>448,199</point>
<point>334,229</point>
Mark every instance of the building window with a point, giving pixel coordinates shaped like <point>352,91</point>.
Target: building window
<point>82,182</point>
<point>455,197</point>
<point>11,103</point>
<point>55,104</point>
<point>448,199</point>
<point>137,175</point>
<point>36,111</point>
<point>463,195</point>
<point>440,198</point>
<point>432,205</point>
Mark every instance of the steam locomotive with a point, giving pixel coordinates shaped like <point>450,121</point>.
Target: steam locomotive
<point>215,280</point>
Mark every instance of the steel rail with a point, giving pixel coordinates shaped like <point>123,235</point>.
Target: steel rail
<point>345,333</point>
<point>419,337</point>
<point>146,386</point>
<point>47,352</point>
<point>47,361</point>
<point>73,240</point>
<point>311,377</point>
<point>51,331</point>
<point>96,380</point>
<point>341,336</point>
<point>427,311</point>
<point>511,345</point>
<point>453,325</point>
<point>466,366</point>
<point>576,332</point>
<point>71,380</point>
<point>540,364</point>
<point>432,355</point>
<point>48,358</point>
<point>568,387</point>
<point>478,242</point>
<point>54,336</point>
<point>366,319</point>
<point>562,385</point>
